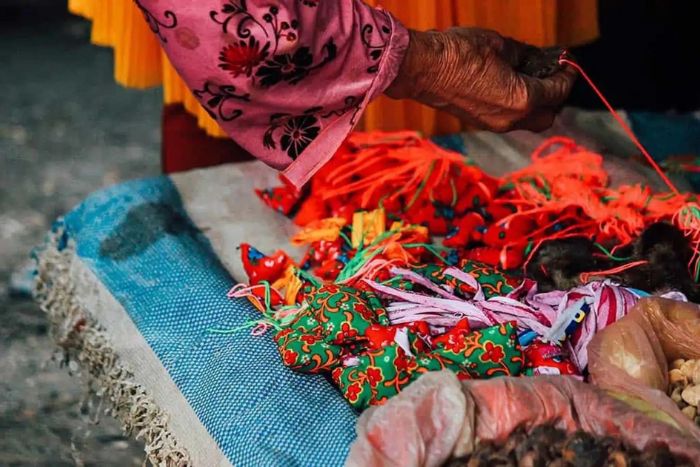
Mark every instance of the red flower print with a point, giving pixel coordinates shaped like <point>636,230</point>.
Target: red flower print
<point>455,340</point>
<point>346,332</point>
<point>374,375</point>
<point>282,334</point>
<point>379,336</point>
<point>290,357</point>
<point>309,339</point>
<point>455,344</point>
<point>336,374</point>
<point>493,353</point>
<point>240,58</point>
<point>401,361</point>
<point>364,311</point>
<point>353,391</point>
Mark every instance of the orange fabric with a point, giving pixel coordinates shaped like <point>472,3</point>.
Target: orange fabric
<point>538,22</point>
<point>139,62</point>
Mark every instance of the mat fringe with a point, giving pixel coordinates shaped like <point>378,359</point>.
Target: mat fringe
<point>84,341</point>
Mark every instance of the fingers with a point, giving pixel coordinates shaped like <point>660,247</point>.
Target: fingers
<point>514,52</point>
<point>551,91</point>
<point>538,121</point>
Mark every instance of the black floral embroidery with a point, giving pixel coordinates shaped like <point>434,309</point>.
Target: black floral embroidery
<point>236,9</point>
<point>351,103</point>
<point>280,29</point>
<point>375,50</point>
<point>155,24</point>
<point>269,24</point>
<point>297,131</point>
<point>292,68</point>
<point>287,67</point>
<point>217,101</point>
<point>251,56</point>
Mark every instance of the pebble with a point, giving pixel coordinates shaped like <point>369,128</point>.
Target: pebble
<point>676,364</point>
<point>676,376</point>
<point>676,395</point>
<point>690,412</point>
<point>688,368</point>
<point>691,395</point>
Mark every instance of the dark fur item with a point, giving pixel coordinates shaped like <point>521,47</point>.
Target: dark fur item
<point>540,63</point>
<point>557,264</point>
<point>546,445</point>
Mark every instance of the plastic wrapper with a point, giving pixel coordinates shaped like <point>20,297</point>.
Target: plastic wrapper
<point>677,325</point>
<point>438,417</point>
<point>630,345</point>
<point>630,358</point>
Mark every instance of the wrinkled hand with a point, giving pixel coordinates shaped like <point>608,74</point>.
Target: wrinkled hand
<point>473,74</point>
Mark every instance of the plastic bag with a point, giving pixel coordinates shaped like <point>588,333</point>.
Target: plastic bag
<point>630,345</point>
<point>630,358</point>
<point>437,417</point>
<point>677,325</point>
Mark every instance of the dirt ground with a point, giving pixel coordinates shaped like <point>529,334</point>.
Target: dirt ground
<point>66,129</point>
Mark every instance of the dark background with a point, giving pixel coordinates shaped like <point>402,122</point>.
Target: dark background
<point>647,56</point>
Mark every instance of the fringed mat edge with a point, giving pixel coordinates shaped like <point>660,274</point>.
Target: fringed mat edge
<point>83,340</point>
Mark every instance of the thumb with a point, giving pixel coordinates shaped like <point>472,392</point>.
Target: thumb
<point>553,90</point>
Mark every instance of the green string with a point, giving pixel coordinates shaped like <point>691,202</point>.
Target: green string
<point>421,187</point>
<point>344,236</point>
<point>309,277</point>
<point>392,280</point>
<point>545,187</point>
<point>454,192</point>
<point>232,331</point>
<point>268,292</point>
<point>362,256</point>
<point>355,264</point>
<point>434,249</point>
<point>609,254</point>
<point>247,325</point>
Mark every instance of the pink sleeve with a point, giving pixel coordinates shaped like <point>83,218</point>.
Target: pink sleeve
<point>286,79</point>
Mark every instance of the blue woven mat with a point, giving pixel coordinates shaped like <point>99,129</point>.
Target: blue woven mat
<point>139,242</point>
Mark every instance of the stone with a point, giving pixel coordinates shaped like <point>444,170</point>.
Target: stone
<point>690,412</point>
<point>676,377</point>
<point>688,368</point>
<point>676,364</point>
<point>691,395</point>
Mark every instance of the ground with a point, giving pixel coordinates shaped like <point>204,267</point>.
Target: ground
<point>66,129</point>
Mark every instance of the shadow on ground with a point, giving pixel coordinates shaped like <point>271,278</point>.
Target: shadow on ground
<point>65,130</point>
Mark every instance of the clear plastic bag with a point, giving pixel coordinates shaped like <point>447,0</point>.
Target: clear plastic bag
<point>438,417</point>
<point>630,357</point>
<point>628,349</point>
<point>677,325</point>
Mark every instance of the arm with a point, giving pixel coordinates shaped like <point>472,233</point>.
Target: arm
<point>286,82</point>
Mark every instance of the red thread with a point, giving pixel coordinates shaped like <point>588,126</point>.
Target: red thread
<point>622,123</point>
<point>585,276</point>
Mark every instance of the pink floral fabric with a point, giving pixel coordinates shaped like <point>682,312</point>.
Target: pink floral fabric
<point>286,79</point>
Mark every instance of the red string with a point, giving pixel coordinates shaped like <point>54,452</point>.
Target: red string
<point>621,121</point>
<point>585,276</point>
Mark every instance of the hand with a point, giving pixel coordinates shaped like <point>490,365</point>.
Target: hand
<point>473,74</point>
